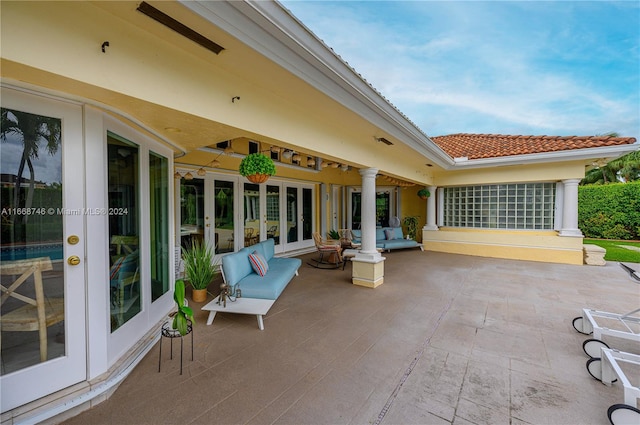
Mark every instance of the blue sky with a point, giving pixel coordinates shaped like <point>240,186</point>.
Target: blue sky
<point>528,67</point>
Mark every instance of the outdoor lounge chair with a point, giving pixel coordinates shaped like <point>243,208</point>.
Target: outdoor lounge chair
<point>330,251</point>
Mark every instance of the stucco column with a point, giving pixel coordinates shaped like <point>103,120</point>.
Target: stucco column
<point>368,264</point>
<point>431,210</point>
<point>570,209</point>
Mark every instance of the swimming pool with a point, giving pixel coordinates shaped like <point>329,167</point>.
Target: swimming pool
<point>54,251</point>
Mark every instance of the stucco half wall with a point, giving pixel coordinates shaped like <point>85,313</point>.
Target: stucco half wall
<point>532,246</point>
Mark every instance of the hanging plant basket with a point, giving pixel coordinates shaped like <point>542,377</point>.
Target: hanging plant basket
<point>258,178</point>
<point>257,167</point>
<point>424,193</point>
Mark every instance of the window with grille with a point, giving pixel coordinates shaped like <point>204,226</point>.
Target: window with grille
<point>522,206</point>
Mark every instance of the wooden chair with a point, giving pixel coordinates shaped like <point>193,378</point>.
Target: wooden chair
<point>330,247</point>
<point>124,245</point>
<point>39,313</point>
<point>124,273</point>
<point>249,237</point>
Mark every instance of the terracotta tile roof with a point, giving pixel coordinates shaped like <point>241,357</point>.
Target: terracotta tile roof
<point>476,146</point>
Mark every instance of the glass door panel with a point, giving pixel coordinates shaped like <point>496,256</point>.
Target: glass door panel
<point>300,217</point>
<point>191,211</point>
<point>307,214</point>
<point>42,344</point>
<point>251,214</point>
<point>383,209</point>
<point>32,236</point>
<point>124,234</point>
<point>159,224</point>
<point>292,214</point>
<point>224,216</point>
<point>356,210</point>
<point>273,213</point>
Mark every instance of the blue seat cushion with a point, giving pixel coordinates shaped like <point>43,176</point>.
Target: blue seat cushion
<point>281,271</point>
<point>399,243</point>
<point>239,272</point>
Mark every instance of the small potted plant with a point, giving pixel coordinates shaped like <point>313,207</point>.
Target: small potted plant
<point>257,167</point>
<point>199,268</point>
<point>184,312</point>
<point>424,193</point>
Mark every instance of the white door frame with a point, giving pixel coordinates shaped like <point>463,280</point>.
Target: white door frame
<point>337,218</point>
<point>31,383</point>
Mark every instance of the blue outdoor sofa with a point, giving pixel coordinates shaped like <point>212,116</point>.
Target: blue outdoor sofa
<point>388,238</point>
<point>238,272</point>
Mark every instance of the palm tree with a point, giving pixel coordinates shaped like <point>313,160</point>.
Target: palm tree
<point>31,129</point>
<point>599,175</point>
<point>626,169</point>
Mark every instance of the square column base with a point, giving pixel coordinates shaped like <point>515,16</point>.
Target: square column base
<point>369,274</point>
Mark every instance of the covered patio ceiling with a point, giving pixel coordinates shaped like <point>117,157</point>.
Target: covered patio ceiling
<point>252,89</point>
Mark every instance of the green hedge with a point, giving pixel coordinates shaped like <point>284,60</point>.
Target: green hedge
<point>610,211</point>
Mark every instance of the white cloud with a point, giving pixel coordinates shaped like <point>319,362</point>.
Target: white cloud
<point>525,67</point>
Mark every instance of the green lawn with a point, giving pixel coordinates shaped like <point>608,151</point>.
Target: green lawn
<point>615,250</point>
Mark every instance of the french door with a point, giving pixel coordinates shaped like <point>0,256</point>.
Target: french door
<point>299,215</point>
<point>386,206</point>
<point>230,213</point>
<point>43,240</point>
<point>279,210</point>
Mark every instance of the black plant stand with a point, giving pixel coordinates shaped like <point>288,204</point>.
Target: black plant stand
<point>167,332</point>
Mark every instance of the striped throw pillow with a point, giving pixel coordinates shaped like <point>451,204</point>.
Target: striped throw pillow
<point>258,263</point>
<point>116,267</point>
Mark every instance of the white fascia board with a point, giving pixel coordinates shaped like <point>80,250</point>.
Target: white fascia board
<point>548,157</point>
<point>271,30</point>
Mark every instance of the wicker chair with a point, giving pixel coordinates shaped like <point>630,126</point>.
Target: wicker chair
<point>330,251</point>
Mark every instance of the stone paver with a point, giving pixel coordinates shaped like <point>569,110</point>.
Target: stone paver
<point>447,339</point>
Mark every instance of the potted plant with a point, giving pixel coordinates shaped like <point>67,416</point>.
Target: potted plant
<point>424,193</point>
<point>184,312</point>
<point>199,269</point>
<point>257,167</point>
<point>412,226</point>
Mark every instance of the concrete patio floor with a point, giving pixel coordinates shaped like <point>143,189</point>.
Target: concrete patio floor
<point>447,339</point>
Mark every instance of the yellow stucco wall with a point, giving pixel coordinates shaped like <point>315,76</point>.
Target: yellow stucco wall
<point>412,205</point>
<point>517,245</point>
<point>521,245</point>
<point>512,174</point>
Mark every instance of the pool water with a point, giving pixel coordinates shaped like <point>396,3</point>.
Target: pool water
<point>54,251</point>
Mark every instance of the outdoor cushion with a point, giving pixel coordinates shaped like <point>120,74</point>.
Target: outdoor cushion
<point>400,243</point>
<point>238,271</point>
<point>389,234</point>
<point>116,267</point>
<point>258,263</point>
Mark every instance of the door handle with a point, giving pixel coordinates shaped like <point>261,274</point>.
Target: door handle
<point>74,260</point>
